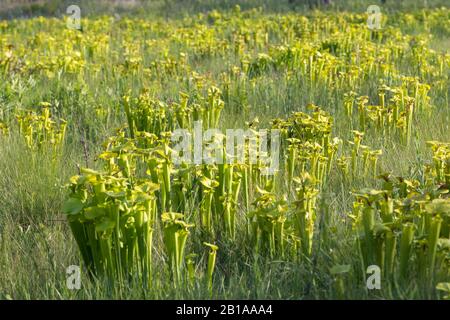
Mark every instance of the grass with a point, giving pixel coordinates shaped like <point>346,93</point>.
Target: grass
<point>36,244</point>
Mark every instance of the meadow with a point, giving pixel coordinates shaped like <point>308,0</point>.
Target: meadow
<point>88,175</point>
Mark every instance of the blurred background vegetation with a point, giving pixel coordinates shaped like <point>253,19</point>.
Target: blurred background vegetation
<point>10,9</point>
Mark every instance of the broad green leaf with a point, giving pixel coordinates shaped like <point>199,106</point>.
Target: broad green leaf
<point>105,224</point>
<point>73,206</point>
<point>92,213</point>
